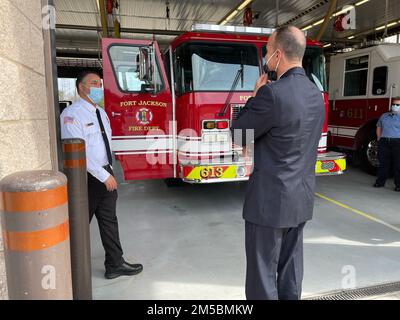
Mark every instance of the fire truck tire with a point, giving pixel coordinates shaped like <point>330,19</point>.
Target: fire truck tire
<point>174,182</point>
<point>368,154</point>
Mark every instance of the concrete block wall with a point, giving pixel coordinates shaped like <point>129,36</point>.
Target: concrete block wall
<point>24,128</point>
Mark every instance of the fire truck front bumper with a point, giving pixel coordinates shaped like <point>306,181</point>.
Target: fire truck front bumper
<point>330,163</point>
<point>214,173</point>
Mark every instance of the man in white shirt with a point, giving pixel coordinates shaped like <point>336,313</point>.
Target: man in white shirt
<point>86,120</point>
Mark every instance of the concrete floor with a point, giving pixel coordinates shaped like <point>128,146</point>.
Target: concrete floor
<point>191,239</point>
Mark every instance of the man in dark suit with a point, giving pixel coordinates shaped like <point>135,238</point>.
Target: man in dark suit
<point>287,117</point>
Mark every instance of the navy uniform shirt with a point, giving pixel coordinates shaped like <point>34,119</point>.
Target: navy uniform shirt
<point>389,122</point>
<point>79,120</point>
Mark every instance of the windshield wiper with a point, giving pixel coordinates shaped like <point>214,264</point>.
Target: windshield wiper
<point>239,74</point>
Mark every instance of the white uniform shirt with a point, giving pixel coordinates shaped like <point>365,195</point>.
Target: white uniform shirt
<point>79,120</point>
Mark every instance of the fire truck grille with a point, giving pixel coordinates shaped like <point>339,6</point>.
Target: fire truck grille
<point>236,108</point>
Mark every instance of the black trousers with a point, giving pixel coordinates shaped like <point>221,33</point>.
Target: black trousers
<point>388,156</point>
<point>274,262</point>
<point>102,204</point>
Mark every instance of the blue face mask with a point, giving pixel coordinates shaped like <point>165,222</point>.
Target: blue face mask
<point>396,108</point>
<point>96,95</point>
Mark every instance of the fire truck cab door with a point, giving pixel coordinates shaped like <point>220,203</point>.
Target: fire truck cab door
<point>139,105</point>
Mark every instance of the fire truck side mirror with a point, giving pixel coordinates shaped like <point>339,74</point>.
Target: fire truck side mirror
<point>144,65</point>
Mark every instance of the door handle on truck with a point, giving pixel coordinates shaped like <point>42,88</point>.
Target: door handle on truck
<point>114,114</point>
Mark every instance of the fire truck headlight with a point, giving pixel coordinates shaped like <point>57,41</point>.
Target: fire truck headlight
<point>209,138</point>
<point>216,137</point>
<point>222,137</point>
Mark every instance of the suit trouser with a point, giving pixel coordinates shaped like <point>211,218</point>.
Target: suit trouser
<point>388,155</point>
<point>274,262</point>
<point>102,204</point>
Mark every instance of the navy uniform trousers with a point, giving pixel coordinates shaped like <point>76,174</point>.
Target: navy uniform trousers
<point>388,156</point>
<point>102,204</point>
<point>274,262</point>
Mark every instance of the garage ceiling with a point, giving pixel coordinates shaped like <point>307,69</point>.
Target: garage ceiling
<point>78,21</point>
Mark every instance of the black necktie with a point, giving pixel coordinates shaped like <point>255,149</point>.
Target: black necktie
<point>103,133</point>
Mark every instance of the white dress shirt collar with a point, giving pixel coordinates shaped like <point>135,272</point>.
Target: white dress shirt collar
<point>87,105</point>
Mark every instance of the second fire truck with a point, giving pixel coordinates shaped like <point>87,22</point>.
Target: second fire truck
<point>362,83</point>
<point>171,113</point>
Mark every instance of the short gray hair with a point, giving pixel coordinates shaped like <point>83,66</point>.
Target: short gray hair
<point>293,45</point>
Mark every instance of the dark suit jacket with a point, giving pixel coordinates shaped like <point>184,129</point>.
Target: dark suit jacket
<point>287,118</point>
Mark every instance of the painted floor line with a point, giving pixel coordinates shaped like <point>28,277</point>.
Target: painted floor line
<point>363,214</point>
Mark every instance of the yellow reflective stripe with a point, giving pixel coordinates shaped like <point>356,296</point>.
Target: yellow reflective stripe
<point>230,172</point>
<point>342,164</point>
<point>194,174</point>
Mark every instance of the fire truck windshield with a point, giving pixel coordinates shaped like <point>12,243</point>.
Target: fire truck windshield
<point>213,66</point>
<point>314,65</point>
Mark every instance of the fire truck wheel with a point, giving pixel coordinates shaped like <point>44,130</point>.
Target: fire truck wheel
<point>369,154</point>
<point>174,182</point>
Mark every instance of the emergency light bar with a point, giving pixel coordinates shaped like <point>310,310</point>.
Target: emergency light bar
<point>234,29</point>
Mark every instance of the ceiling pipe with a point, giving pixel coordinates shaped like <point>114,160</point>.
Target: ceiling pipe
<point>332,6</point>
<point>103,18</point>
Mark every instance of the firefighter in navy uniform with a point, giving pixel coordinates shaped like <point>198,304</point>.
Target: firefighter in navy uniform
<point>86,120</point>
<point>388,133</point>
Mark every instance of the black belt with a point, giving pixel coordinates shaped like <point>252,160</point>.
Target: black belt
<point>390,139</point>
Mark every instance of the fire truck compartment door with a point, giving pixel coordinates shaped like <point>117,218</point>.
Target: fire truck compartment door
<point>138,102</point>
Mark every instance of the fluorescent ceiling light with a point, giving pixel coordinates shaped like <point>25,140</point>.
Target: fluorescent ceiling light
<point>318,22</point>
<point>234,13</point>
<point>359,3</point>
<point>335,14</point>
<point>389,25</point>
<point>245,3</point>
<point>306,28</point>
<point>343,11</point>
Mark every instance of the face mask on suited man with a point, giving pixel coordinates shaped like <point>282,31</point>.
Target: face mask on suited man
<point>272,74</point>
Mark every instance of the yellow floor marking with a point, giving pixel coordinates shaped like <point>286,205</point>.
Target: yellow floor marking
<point>363,214</point>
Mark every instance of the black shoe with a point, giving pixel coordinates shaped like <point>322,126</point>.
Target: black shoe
<point>125,269</point>
<point>378,185</point>
<point>397,189</point>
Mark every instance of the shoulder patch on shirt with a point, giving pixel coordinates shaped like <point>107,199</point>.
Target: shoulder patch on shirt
<point>68,120</point>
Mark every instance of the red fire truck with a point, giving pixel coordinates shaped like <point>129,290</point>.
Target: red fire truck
<point>170,113</point>
<point>361,85</point>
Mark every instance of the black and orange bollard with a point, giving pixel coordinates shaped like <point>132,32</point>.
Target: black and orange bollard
<point>75,169</point>
<point>35,225</point>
